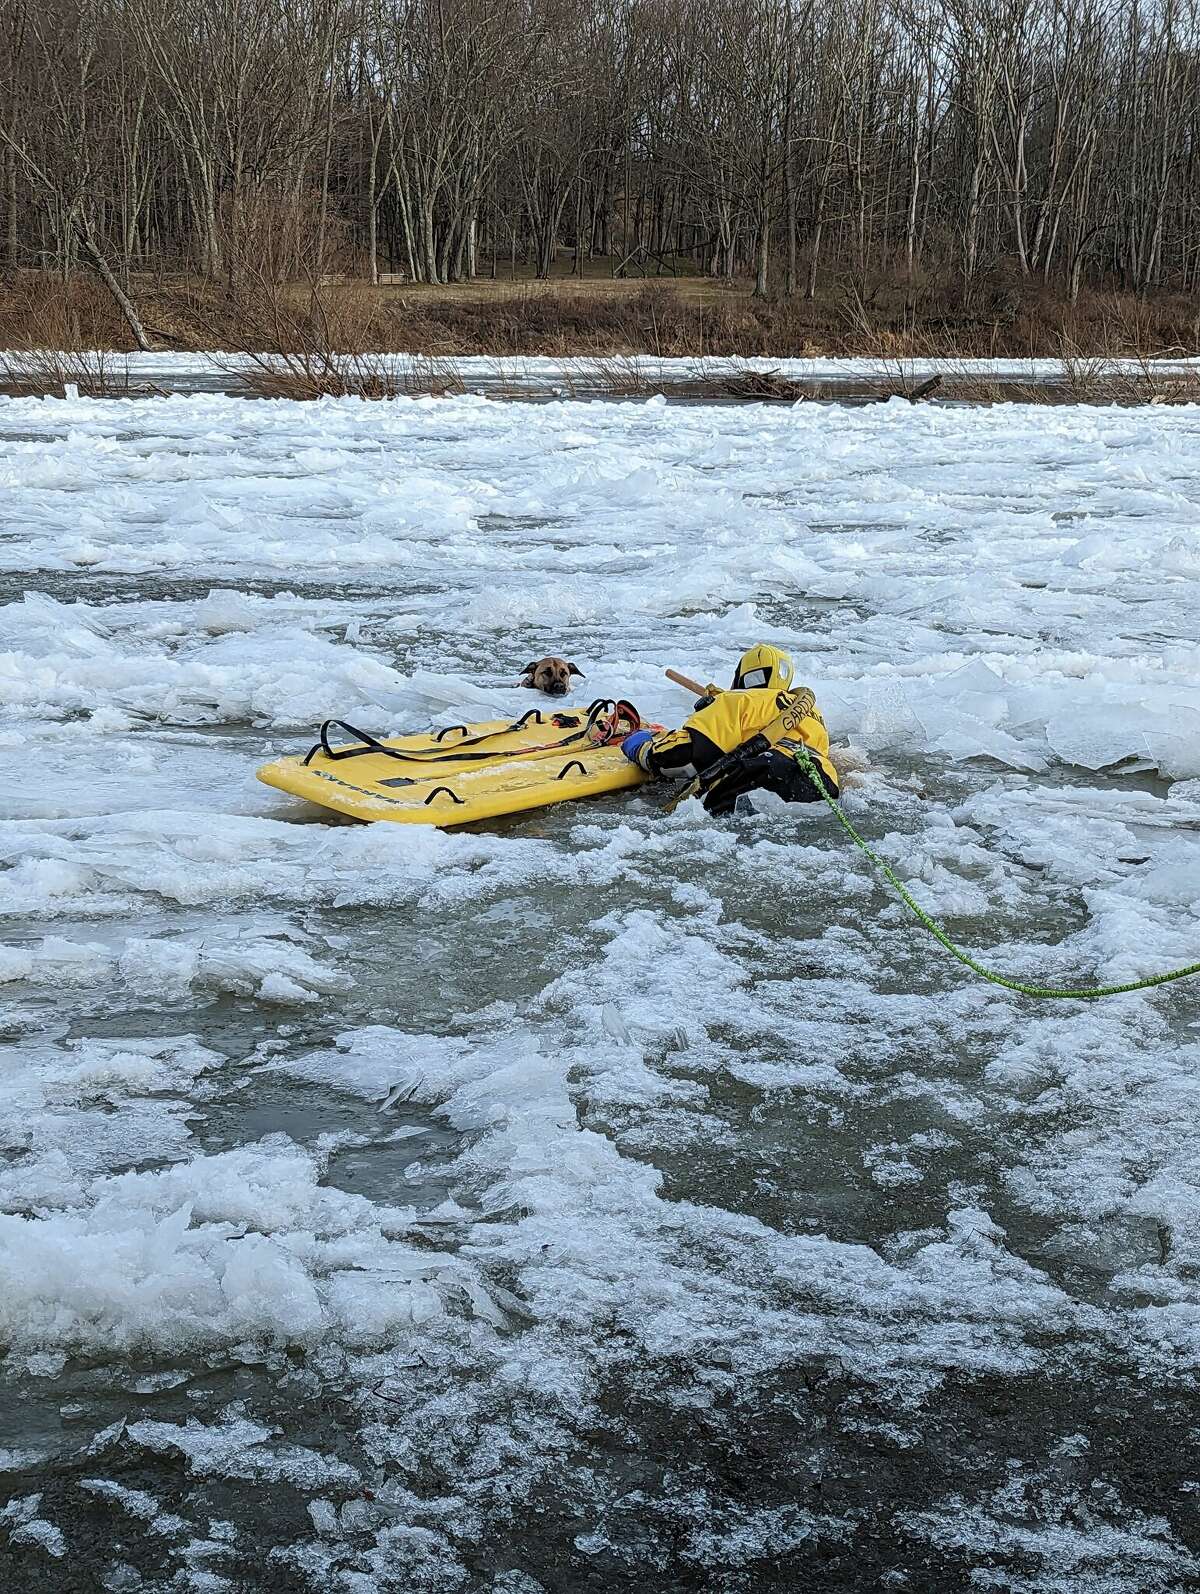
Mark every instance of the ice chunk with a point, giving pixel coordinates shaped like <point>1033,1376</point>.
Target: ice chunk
<point>1174,743</point>
<point>975,689</point>
<point>21,1521</point>
<point>890,718</point>
<point>964,736</point>
<point>239,1448</point>
<point>138,1503</point>
<point>240,1246</point>
<point>224,611</point>
<point>1097,737</point>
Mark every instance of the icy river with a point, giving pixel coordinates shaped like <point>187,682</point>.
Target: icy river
<point>601,1200</point>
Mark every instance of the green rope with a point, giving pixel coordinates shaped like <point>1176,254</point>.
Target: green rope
<point>810,765</point>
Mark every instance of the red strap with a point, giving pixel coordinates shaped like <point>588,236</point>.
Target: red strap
<point>622,722</point>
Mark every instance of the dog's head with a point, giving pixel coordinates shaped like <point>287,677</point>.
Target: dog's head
<point>550,675</point>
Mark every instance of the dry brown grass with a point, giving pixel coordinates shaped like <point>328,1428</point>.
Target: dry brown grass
<point>308,376</point>
<point>762,385</point>
<point>317,373</point>
<point>619,376</point>
<point>39,311</point>
<point>52,373</point>
<point>323,337</point>
<point>610,376</point>
<point>328,374</point>
<point>1002,319</point>
<point>326,344</point>
<point>1120,375</point>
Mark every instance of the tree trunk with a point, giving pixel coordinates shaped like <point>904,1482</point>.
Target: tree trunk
<point>910,227</point>
<point>971,238</point>
<point>760,271</point>
<point>814,259</point>
<point>206,219</point>
<point>373,242</point>
<point>428,244</point>
<point>323,222</point>
<point>11,235</point>
<point>373,218</point>
<point>790,212</point>
<point>93,257</point>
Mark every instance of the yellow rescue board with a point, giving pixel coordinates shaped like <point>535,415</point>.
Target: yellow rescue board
<point>509,771</point>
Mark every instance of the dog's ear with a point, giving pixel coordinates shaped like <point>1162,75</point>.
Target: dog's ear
<point>573,669</point>
<point>528,669</point>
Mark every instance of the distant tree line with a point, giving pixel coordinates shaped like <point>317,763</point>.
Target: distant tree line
<point>785,140</point>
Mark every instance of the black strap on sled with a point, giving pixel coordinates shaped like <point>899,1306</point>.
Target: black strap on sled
<point>366,743</point>
<point>467,750</point>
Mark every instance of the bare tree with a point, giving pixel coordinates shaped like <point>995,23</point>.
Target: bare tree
<point>61,144</point>
<point>782,140</point>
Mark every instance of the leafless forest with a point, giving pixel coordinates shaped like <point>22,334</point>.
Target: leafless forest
<point>793,144</point>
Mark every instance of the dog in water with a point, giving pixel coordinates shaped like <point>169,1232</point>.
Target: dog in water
<point>550,675</point>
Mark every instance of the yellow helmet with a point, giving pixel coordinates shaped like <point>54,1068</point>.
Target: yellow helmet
<point>763,665</point>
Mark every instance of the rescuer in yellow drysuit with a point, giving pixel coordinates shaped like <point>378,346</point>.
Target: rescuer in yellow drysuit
<point>744,739</point>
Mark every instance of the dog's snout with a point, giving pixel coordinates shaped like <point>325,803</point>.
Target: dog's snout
<point>557,689</point>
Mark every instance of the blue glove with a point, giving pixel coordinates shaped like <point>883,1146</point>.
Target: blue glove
<point>633,744</point>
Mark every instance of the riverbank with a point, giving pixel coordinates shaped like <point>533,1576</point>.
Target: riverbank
<point>602,317</point>
<point>313,374</point>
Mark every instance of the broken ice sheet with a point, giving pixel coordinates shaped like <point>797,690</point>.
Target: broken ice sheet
<point>655,1256</point>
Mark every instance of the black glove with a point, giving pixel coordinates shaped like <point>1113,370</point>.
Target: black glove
<point>791,781</point>
<point>724,793</point>
<point>742,770</point>
<point>765,768</point>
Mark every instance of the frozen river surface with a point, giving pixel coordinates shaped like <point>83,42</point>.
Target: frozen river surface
<point>600,1201</point>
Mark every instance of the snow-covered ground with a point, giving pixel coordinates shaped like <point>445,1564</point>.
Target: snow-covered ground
<point>541,374</point>
<point>600,1200</point>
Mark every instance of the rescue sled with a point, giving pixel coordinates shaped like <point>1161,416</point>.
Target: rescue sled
<point>464,773</point>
